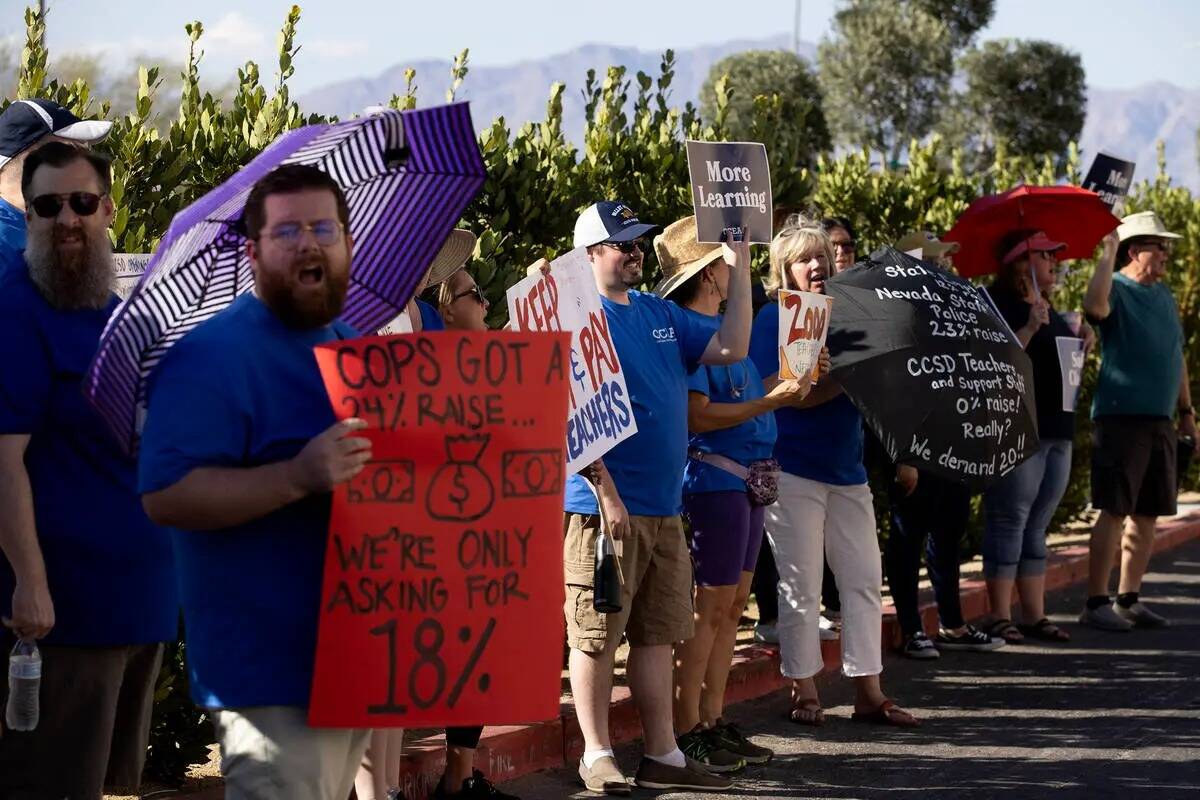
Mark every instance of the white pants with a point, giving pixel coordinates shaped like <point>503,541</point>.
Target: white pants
<point>809,520</point>
<point>270,752</point>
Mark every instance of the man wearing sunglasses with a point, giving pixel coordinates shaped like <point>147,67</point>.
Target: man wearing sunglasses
<point>25,126</point>
<point>640,486</point>
<point>239,455</point>
<point>1143,384</point>
<point>84,572</point>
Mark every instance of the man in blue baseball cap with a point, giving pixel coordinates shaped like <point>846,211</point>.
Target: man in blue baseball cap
<point>25,126</point>
<point>640,485</point>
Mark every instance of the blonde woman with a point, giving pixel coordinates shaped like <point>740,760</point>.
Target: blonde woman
<point>824,506</point>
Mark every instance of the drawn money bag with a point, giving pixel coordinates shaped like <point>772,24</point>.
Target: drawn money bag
<point>461,491</point>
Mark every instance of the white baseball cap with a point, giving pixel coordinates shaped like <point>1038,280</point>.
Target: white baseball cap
<point>609,221</point>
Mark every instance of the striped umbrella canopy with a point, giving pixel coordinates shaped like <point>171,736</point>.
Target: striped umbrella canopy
<point>407,176</point>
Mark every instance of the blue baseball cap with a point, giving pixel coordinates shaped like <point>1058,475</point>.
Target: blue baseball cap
<point>26,122</point>
<point>609,221</point>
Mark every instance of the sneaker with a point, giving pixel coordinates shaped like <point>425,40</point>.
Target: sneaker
<point>920,647</point>
<point>766,633</point>
<point>475,787</point>
<point>704,747</point>
<point>653,774</point>
<point>1105,619</point>
<point>830,628</point>
<point>731,738</point>
<point>972,639</point>
<point>1140,616</point>
<point>605,777</point>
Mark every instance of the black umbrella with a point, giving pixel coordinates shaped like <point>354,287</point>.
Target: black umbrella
<point>935,372</point>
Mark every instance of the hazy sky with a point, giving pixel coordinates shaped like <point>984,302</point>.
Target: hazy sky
<point>1123,42</point>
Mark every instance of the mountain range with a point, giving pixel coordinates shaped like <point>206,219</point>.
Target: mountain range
<point>1123,122</point>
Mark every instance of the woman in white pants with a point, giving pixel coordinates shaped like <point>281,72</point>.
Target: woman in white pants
<point>824,507</point>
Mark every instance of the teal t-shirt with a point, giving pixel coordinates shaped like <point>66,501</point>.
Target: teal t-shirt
<point>1141,352</point>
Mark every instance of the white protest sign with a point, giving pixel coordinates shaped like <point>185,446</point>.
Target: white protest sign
<point>731,190</point>
<point>803,327</point>
<point>1070,362</point>
<point>401,324</point>
<point>128,269</point>
<point>600,414</point>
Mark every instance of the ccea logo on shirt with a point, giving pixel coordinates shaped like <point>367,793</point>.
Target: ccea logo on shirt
<point>664,334</point>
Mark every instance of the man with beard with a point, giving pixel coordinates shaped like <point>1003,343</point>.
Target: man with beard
<point>240,453</point>
<point>640,486</point>
<point>25,126</point>
<point>84,571</point>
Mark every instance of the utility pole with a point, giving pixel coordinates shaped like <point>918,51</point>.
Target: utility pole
<point>796,30</point>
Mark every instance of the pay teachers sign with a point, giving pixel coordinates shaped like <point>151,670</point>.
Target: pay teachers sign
<point>731,190</point>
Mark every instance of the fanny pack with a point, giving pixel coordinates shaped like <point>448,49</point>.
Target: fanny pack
<point>761,477</point>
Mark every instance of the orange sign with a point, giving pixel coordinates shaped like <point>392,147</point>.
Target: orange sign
<point>443,589</point>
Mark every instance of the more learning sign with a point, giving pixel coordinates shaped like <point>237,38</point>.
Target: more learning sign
<point>599,413</point>
<point>731,190</point>
<point>1110,177</point>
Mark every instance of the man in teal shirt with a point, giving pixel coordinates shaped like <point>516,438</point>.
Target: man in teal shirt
<point>1143,383</point>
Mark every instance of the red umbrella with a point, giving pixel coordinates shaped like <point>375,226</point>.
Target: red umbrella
<point>1065,213</point>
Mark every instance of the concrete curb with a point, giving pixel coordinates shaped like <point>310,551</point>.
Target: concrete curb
<point>512,751</point>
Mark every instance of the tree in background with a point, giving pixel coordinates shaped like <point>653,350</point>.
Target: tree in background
<point>1030,94</point>
<point>762,73</point>
<point>885,73</point>
<point>964,18</point>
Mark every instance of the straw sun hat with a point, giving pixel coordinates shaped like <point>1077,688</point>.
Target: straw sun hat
<point>680,255</point>
<point>450,259</point>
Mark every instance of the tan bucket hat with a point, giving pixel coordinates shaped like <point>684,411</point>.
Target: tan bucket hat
<point>1144,223</point>
<point>450,259</point>
<point>929,245</point>
<point>680,255</point>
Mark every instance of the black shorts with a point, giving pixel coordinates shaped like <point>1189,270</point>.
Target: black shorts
<point>1133,466</point>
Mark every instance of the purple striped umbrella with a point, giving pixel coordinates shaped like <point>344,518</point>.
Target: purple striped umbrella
<point>407,177</point>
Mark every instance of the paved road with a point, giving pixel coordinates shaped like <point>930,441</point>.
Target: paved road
<point>1110,715</point>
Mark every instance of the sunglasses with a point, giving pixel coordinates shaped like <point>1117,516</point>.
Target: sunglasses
<point>48,206</point>
<point>475,292</point>
<point>326,232</point>
<point>844,246</point>
<point>628,247</point>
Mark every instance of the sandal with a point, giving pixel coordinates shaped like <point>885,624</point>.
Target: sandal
<point>1045,630</point>
<point>888,713</point>
<point>807,711</point>
<point>1004,629</point>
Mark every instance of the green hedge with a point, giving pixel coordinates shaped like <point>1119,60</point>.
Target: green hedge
<point>537,183</point>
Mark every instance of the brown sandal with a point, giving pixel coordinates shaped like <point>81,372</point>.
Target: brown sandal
<point>1045,630</point>
<point>810,707</point>
<point>888,713</point>
<point>1004,629</point>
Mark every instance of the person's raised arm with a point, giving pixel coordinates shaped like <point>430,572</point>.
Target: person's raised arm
<point>731,342</point>
<point>1095,301</point>
<point>32,607</point>
<point>211,498</point>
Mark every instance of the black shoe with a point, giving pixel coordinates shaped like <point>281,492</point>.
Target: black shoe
<point>473,787</point>
<point>970,639</point>
<point>730,738</point>
<point>919,647</point>
<point>703,747</point>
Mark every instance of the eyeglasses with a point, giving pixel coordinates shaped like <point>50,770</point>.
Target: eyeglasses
<point>846,246</point>
<point>83,204</point>
<point>1164,247</point>
<point>326,232</point>
<point>627,247</point>
<point>473,291</point>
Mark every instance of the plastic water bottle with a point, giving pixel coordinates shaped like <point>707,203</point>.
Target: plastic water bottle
<point>24,685</point>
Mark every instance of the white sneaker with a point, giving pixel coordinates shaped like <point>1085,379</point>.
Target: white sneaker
<point>1105,619</point>
<point>1140,616</point>
<point>831,629</point>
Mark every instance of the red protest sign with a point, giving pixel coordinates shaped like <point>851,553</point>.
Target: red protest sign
<point>443,589</point>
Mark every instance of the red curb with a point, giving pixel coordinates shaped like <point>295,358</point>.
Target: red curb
<point>509,752</point>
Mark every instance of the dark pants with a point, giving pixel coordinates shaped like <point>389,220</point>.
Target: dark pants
<point>830,599</point>
<point>93,727</point>
<point>766,586</point>
<point>934,519</point>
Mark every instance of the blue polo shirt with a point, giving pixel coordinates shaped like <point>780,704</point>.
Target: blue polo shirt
<point>244,390</point>
<point>823,443</point>
<point>431,320</point>
<point>109,569</point>
<point>12,234</point>
<point>658,345</point>
<point>752,440</point>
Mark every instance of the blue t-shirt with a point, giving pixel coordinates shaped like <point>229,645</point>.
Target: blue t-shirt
<point>109,569</point>
<point>244,390</point>
<point>1141,352</point>
<point>431,320</point>
<point>752,440</point>
<point>823,443</point>
<point>658,345</point>
<point>12,235</point>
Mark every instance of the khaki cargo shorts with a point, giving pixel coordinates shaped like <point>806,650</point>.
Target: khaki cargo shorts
<point>656,600</point>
